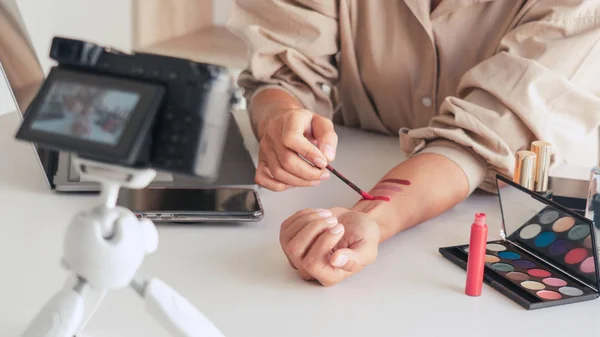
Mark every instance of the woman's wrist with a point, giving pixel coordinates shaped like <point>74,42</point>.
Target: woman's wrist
<point>390,223</point>
<point>267,104</point>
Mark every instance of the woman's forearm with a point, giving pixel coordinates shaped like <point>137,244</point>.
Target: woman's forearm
<point>269,102</point>
<point>420,188</point>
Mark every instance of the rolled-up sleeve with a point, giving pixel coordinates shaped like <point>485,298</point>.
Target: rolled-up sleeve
<point>294,43</point>
<point>542,84</point>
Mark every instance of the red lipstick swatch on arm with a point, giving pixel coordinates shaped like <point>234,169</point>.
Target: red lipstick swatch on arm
<point>367,196</point>
<point>379,187</point>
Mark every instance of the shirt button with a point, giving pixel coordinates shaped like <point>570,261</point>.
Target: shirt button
<point>426,101</point>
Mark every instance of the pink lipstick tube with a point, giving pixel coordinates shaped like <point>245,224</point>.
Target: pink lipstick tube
<point>476,259</point>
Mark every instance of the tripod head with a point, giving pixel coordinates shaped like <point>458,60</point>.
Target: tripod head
<point>107,244</point>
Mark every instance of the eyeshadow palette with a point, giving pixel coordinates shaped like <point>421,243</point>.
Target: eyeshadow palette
<point>546,255</point>
<point>542,281</point>
<point>565,241</point>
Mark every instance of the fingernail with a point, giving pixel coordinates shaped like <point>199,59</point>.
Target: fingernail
<point>320,163</point>
<point>340,261</point>
<point>325,176</point>
<point>325,213</point>
<point>332,221</point>
<point>337,229</point>
<point>329,152</point>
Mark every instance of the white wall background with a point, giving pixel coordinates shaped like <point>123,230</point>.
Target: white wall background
<point>103,22</point>
<point>100,21</point>
<point>6,101</point>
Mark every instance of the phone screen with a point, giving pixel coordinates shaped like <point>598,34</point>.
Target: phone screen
<point>190,201</point>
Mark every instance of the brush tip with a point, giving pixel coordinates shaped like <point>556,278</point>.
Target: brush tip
<point>367,196</point>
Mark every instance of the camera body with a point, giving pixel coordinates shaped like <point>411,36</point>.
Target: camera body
<point>135,110</point>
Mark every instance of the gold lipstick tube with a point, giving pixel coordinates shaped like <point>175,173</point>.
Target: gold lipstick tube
<point>525,169</point>
<point>543,152</point>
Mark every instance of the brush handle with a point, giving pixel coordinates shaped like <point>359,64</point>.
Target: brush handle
<point>348,182</point>
<point>362,193</point>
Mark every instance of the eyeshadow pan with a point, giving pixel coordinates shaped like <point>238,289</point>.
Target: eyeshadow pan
<point>587,243</point>
<point>509,255</point>
<point>570,291</point>
<point>503,267</point>
<point>579,232</point>
<point>523,264</point>
<point>560,247</point>
<point>563,224</point>
<point>491,259</point>
<point>587,266</point>
<point>533,285</point>
<point>517,276</point>
<point>530,231</point>
<point>554,282</point>
<point>545,239</point>
<point>549,295</point>
<point>538,273</point>
<point>576,255</point>
<point>494,247</point>
<point>549,217</point>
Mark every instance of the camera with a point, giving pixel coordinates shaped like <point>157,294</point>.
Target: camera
<point>136,110</point>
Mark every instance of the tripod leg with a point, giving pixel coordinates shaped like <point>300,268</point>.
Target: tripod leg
<point>87,319</point>
<point>176,314</point>
<point>61,316</point>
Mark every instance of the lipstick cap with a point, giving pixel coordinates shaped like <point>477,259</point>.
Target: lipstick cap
<point>525,169</point>
<point>543,152</point>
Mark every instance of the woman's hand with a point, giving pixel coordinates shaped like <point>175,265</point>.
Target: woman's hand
<point>287,135</point>
<point>329,245</point>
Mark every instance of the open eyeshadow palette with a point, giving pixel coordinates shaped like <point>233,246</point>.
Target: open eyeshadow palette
<point>546,256</point>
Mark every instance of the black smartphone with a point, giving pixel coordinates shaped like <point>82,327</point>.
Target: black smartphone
<point>193,205</point>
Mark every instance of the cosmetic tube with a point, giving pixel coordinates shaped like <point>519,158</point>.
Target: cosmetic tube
<point>543,153</point>
<point>476,258</point>
<point>525,169</point>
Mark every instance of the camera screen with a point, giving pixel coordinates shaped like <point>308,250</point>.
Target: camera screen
<point>86,112</point>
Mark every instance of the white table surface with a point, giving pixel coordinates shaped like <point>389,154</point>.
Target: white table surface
<point>239,277</point>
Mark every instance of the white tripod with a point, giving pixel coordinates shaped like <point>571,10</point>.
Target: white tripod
<point>104,247</point>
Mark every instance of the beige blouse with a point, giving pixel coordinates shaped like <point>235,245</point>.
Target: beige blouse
<point>473,80</point>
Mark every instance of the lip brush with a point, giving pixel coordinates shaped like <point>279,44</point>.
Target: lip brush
<point>363,194</point>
